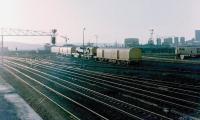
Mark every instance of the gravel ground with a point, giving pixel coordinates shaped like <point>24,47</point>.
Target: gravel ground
<point>12,106</point>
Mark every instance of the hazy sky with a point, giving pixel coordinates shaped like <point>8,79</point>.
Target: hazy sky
<point>111,20</point>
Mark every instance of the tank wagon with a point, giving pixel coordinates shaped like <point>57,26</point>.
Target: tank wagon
<point>119,55</point>
<point>184,52</point>
<point>116,55</point>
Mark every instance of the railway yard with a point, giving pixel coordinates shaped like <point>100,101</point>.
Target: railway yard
<point>100,60</point>
<point>60,87</point>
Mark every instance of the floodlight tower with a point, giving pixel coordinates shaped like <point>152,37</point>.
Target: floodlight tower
<point>151,42</point>
<point>84,41</point>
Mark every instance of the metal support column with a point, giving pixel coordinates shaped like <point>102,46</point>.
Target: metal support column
<point>83,47</point>
<point>2,51</point>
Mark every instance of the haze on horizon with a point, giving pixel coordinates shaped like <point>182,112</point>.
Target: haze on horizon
<point>111,20</point>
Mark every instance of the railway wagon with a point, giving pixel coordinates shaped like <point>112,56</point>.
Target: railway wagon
<point>91,52</point>
<point>184,52</point>
<point>67,50</point>
<point>119,55</point>
<point>55,50</point>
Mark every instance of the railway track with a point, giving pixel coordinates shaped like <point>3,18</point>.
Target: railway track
<point>155,58</point>
<point>134,95</point>
<point>61,61</point>
<point>46,96</point>
<point>77,63</point>
<point>56,97</point>
<point>121,105</point>
<point>130,70</point>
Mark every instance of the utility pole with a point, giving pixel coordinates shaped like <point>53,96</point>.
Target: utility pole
<point>2,54</point>
<point>83,45</point>
<point>96,36</point>
<point>84,42</point>
<point>66,38</point>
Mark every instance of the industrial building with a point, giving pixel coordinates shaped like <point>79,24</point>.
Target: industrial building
<point>176,41</point>
<point>159,42</point>
<point>131,42</point>
<point>167,41</point>
<point>197,35</point>
<point>182,40</point>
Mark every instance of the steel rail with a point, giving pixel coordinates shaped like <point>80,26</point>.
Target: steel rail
<point>133,116</point>
<point>57,92</point>
<point>156,88</point>
<point>104,96</point>
<point>119,78</point>
<point>75,117</point>
<point>134,88</point>
<point>128,78</point>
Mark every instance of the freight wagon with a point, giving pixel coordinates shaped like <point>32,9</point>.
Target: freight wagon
<point>67,50</point>
<point>184,52</point>
<point>119,55</point>
<point>116,55</point>
<point>55,50</point>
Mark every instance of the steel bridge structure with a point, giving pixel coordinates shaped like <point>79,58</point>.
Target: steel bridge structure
<point>21,32</point>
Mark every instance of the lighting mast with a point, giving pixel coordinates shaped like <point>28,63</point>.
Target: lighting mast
<point>151,42</point>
